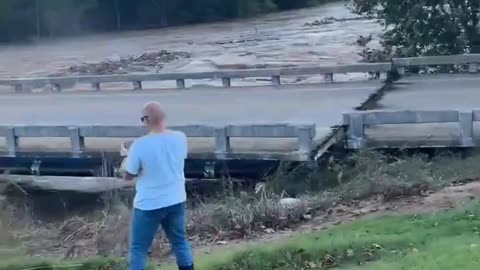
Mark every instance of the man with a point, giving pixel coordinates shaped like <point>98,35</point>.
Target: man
<point>156,161</point>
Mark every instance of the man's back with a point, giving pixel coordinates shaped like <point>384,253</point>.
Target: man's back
<point>159,160</point>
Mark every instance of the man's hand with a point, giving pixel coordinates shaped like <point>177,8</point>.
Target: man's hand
<point>128,176</point>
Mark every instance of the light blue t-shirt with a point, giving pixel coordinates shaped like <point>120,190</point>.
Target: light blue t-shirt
<point>158,160</point>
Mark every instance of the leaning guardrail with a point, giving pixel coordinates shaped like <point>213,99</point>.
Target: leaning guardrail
<point>77,134</point>
<point>472,60</point>
<point>226,76</point>
<point>357,122</point>
<point>58,83</point>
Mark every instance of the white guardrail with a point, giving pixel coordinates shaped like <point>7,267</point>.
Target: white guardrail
<point>463,122</point>
<point>303,133</point>
<point>58,83</point>
<point>396,65</point>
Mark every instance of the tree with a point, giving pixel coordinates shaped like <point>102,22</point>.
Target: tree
<point>426,27</point>
<point>65,16</point>
<point>23,19</point>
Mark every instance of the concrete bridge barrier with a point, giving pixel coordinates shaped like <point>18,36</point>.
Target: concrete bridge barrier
<point>304,135</point>
<point>397,129</point>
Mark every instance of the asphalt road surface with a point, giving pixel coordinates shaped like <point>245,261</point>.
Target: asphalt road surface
<point>429,92</point>
<point>320,104</point>
<point>446,91</point>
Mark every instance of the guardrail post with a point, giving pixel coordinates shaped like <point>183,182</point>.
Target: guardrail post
<point>466,126</point>
<point>96,86</point>
<point>18,88</point>
<point>56,87</point>
<point>181,83</point>
<point>222,141</point>
<point>305,140</point>
<point>356,131</point>
<point>12,141</point>
<point>76,140</point>
<point>226,82</point>
<point>137,85</point>
<point>328,77</point>
<point>401,71</point>
<point>473,67</point>
<point>276,80</point>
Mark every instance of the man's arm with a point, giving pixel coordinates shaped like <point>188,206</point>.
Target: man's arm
<point>133,164</point>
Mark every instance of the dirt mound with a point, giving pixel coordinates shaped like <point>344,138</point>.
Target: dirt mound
<point>452,197</point>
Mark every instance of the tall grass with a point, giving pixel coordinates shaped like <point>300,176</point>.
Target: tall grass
<point>270,206</point>
<point>447,240</point>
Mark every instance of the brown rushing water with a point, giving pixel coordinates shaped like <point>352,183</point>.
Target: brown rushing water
<point>278,39</point>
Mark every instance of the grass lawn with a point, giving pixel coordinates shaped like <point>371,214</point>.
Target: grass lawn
<point>441,241</point>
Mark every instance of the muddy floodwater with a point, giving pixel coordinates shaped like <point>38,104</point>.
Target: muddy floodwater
<point>274,40</point>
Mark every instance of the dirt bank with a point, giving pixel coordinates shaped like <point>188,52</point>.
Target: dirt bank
<point>75,238</point>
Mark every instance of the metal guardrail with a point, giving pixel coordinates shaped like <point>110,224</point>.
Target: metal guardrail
<point>358,121</point>
<point>472,60</point>
<point>77,134</point>
<point>58,83</point>
<point>397,64</point>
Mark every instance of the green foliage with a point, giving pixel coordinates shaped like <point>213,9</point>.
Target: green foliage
<point>426,27</point>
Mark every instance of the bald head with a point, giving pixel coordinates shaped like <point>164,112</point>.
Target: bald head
<point>153,114</point>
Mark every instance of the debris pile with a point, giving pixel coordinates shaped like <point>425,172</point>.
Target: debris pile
<point>363,41</point>
<point>371,55</point>
<point>76,229</point>
<point>147,62</point>
<point>330,20</point>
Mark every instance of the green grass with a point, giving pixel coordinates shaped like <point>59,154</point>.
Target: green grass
<point>448,240</point>
<point>23,263</point>
<point>440,241</point>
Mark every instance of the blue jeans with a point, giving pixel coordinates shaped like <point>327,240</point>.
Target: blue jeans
<point>144,227</point>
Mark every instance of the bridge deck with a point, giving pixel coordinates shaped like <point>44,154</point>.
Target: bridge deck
<point>320,104</point>
<point>429,92</point>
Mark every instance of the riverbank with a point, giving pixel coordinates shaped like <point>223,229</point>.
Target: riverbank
<point>365,185</point>
<point>439,231</point>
